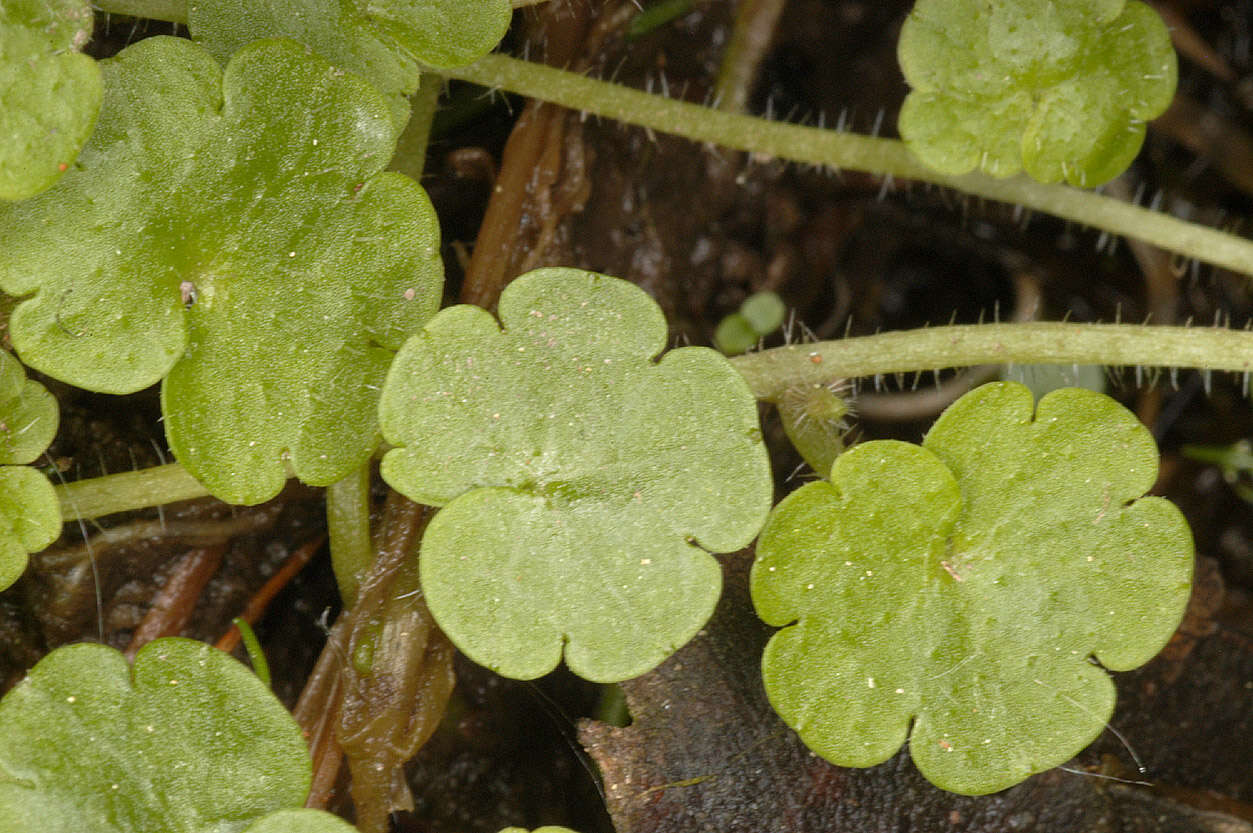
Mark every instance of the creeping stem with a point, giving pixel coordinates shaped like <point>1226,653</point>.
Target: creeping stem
<point>127,491</point>
<point>771,372</point>
<point>849,151</point>
<point>811,145</point>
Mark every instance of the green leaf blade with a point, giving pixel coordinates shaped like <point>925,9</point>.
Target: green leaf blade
<point>1061,90</point>
<point>544,434</point>
<point>188,740</point>
<point>974,605</point>
<point>250,247</point>
<point>50,93</point>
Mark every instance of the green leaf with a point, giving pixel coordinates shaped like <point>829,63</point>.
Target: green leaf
<point>548,828</point>
<point>301,821</point>
<point>967,584</point>
<point>189,740</point>
<point>30,514</point>
<point>381,40</point>
<point>441,33</point>
<point>234,232</point>
<point>582,482</point>
<point>1060,89</point>
<point>332,29</point>
<point>49,93</point>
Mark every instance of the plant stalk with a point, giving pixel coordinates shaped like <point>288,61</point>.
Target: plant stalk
<point>849,151</point>
<point>127,491</point>
<point>348,527</point>
<point>770,373</point>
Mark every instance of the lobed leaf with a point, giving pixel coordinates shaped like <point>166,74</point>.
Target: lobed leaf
<point>50,93</point>
<point>30,514</point>
<point>583,483</point>
<point>187,740</point>
<point>234,231</point>
<point>1060,89</point>
<point>967,584</point>
<point>382,40</point>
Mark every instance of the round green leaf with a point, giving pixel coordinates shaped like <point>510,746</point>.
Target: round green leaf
<point>764,312</point>
<point>234,231</point>
<point>49,93</point>
<point>583,482</point>
<point>968,584</point>
<point>190,740</point>
<point>1061,89</point>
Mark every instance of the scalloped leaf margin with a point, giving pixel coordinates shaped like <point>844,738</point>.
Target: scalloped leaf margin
<point>1060,89</point>
<point>30,514</point>
<point>965,585</point>
<point>235,231</point>
<point>50,93</point>
<point>583,482</point>
<point>188,739</point>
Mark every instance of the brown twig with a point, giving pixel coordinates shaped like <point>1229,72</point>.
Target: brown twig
<point>260,600</point>
<point>176,601</point>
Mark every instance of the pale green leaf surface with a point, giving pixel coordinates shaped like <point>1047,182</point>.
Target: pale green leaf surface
<point>190,741</point>
<point>381,40</point>
<point>582,482</point>
<point>1060,89</point>
<point>234,232</point>
<point>301,821</point>
<point>549,828</point>
<point>965,585</point>
<point>334,30</point>
<point>30,518</point>
<point>30,515</point>
<point>50,93</point>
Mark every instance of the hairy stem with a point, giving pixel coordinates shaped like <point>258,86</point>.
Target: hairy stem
<point>127,491</point>
<point>772,372</point>
<point>849,151</point>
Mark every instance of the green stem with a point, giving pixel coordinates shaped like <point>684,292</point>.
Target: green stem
<point>772,372</point>
<point>410,156</point>
<point>348,527</point>
<point>849,151</point>
<point>252,646</point>
<point>127,491</point>
<point>175,11</point>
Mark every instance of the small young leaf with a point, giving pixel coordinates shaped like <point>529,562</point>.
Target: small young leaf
<point>49,93</point>
<point>188,740</point>
<point>1061,89</point>
<point>582,481</point>
<point>966,584</point>
<point>30,515</point>
<point>234,231</point>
